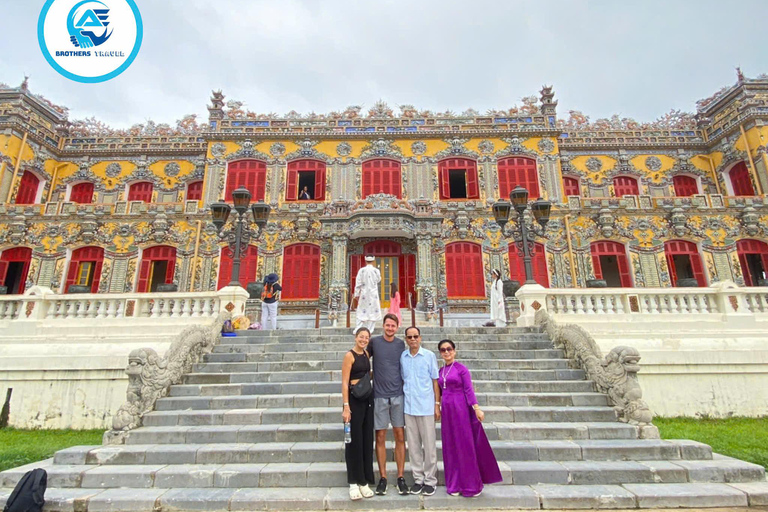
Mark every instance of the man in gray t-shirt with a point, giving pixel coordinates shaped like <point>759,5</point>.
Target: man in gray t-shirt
<point>388,400</point>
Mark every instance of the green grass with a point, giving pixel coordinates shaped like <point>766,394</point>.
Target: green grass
<point>19,447</point>
<point>742,438</point>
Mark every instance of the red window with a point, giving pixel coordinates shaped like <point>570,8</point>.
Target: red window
<point>195,191</point>
<point>753,258</point>
<point>538,262</point>
<point>609,260</point>
<point>251,174</point>
<point>741,181</point>
<point>685,186</point>
<point>157,266</point>
<point>516,171</point>
<point>571,186</point>
<point>458,179</point>
<point>684,261</point>
<point>248,261</point>
<point>301,272</point>
<point>625,186</point>
<point>464,270</point>
<point>140,191</point>
<point>81,193</point>
<point>381,177</point>
<point>406,268</point>
<point>309,174</point>
<point>28,186</point>
<point>14,269</point>
<point>85,268</point>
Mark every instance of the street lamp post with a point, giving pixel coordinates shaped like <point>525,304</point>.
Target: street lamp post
<point>240,234</point>
<point>540,209</point>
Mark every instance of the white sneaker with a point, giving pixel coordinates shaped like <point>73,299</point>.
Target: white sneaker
<point>354,492</point>
<point>366,491</point>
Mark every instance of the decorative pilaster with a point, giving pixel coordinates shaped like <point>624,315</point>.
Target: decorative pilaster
<point>339,275</point>
<point>425,279</point>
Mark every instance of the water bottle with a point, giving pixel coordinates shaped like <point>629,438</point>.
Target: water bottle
<point>347,433</point>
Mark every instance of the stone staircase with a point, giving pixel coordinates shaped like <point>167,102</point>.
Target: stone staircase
<point>257,425</point>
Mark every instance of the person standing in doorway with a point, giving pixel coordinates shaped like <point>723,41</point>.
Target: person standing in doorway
<point>367,295</point>
<point>394,302</point>
<point>388,401</point>
<point>269,300</point>
<point>419,369</point>
<point>304,194</point>
<point>498,311</point>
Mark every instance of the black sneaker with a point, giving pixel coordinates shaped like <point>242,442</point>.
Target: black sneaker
<point>416,489</point>
<point>427,490</point>
<point>381,489</point>
<point>401,487</point>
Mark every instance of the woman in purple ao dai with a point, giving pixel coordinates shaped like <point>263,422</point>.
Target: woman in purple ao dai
<point>467,454</point>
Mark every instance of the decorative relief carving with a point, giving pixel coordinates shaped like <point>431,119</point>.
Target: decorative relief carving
<point>277,149</point>
<point>653,163</point>
<point>419,147</point>
<point>172,169</point>
<point>113,170</point>
<point>344,149</point>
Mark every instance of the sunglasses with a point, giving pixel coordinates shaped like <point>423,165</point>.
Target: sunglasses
<point>413,337</point>
<point>445,350</point>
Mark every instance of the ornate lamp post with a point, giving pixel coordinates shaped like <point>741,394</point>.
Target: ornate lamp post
<point>540,209</point>
<point>241,234</point>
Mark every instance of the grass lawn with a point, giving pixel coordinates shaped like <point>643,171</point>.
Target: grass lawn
<point>742,438</point>
<point>19,447</point>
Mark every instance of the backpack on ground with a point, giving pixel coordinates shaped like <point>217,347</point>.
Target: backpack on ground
<point>29,493</point>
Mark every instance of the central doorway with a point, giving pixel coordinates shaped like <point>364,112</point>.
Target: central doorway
<point>395,267</point>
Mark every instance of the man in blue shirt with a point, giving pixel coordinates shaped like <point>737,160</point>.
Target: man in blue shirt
<point>419,370</point>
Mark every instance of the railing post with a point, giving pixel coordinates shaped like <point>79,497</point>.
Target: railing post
<point>232,299</point>
<point>441,317</point>
<point>532,297</point>
<point>317,319</point>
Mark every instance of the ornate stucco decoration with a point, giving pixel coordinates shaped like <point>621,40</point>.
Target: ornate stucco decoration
<point>381,148</point>
<point>277,149</point>
<point>113,170</point>
<point>142,173</point>
<point>172,169</point>
<point>247,150</point>
<point>456,148</point>
<point>307,150</point>
<point>515,148</point>
<point>677,221</point>
<point>606,221</point>
<point>344,149</point>
<point>750,220</point>
<point>379,202</point>
<point>419,147</point>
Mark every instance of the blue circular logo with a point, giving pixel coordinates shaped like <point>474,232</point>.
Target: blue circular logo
<point>90,41</point>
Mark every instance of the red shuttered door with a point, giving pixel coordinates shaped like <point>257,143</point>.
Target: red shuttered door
<point>292,179</point>
<point>82,193</point>
<point>571,186</point>
<point>685,186</point>
<point>674,248</point>
<point>301,272</point>
<point>251,174</point>
<point>454,164</point>
<point>28,185</point>
<point>516,171</point>
<point>382,177</point>
<point>150,255</point>
<point>248,263</point>
<point>749,250</point>
<point>140,191</point>
<point>464,270</point>
<point>741,181</point>
<point>93,255</point>
<point>615,249</point>
<point>21,255</point>
<point>625,186</point>
<point>538,262</point>
<point>407,279</point>
<point>195,191</point>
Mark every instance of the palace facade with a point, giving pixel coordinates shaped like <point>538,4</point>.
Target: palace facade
<point>677,202</point>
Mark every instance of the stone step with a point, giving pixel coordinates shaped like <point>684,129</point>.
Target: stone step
<point>475,344</point>
<point>255,353</point>
<point>311,432</point>
<point>238,363</point>
<point>335,400</point>
<point>512,452</point>
<point>309,387</point>
<point>315,339</point>
<point>341,331</point>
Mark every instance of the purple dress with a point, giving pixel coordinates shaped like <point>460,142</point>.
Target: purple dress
<point>467,454</point>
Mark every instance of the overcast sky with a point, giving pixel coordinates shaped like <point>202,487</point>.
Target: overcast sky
<point>636,58</point>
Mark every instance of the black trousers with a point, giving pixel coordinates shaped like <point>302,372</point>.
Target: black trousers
<point>359,453</point>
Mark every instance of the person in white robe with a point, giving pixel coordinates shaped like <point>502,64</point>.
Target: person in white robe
<point>367,295</point>
<point>498,311</point>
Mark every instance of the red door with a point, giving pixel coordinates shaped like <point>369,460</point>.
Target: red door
<point>614,250</point>
<point>82,193</point>
<point>140,191</point>
<point>516,171</point>
<point>686,250</point>
<point>148,269</point>
<point>28,185</point>
<point>685,186</point>
<point>305,166</point>
<point>251,174</point>
<point>407,278</point>
<point>454,164</point>
<point>382,177</point>
<point>741,181</point>
<point>753,258</point>
<point>85,268</point>
<point>464,270</point>
<point>571,186</point>
<point>14,268</point>
<point>301,272</point>
<point>248,263</point>
<point>538,262</point>
<point>625,186</point>
<point>195,191</point>
<point>406,267</point>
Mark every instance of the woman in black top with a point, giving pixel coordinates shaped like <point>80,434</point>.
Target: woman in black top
<point>358,453</point>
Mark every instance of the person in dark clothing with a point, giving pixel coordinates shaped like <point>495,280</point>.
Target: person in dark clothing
<point>270,295</point>
<point>304,194</point>
<point>359,413</point>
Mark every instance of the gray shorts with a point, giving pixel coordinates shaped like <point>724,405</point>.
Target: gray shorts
<point>388,410</point>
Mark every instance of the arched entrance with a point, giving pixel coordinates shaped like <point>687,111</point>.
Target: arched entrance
<point>394,267</point>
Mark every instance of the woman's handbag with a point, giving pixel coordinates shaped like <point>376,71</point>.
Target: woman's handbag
<point>363,388</point>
